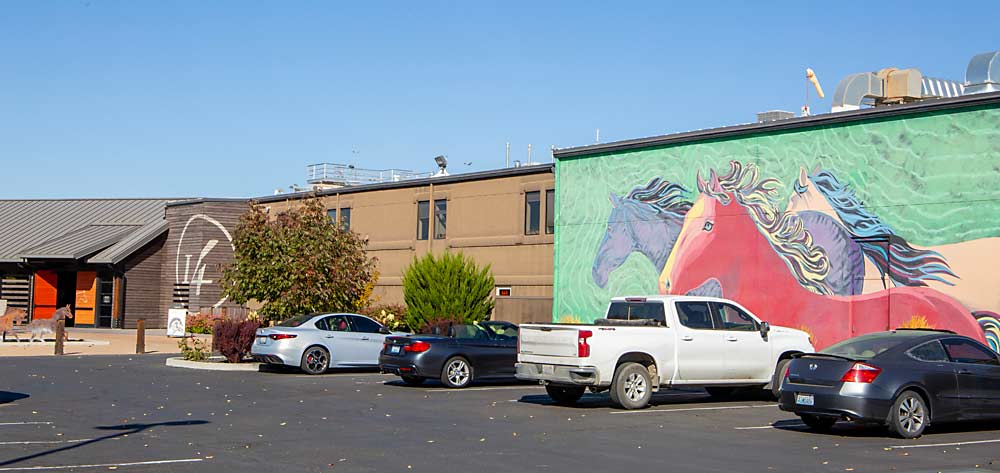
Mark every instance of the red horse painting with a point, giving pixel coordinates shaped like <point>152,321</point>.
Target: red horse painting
<point>735,239</point>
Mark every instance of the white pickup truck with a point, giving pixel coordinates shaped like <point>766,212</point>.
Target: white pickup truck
<point>644,343</point>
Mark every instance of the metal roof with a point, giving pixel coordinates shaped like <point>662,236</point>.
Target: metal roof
<point>454,178</point>
<point>79,243</point>
<point>923,106</point>
<point>58,226</point>
<point>130,243</point>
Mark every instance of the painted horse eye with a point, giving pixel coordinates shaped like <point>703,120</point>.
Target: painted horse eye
<point>708,226</point>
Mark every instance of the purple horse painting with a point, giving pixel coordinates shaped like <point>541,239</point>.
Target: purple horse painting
<point>648,219</point>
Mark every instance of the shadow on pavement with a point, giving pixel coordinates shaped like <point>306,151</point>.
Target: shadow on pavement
<point>120,430</point>
<point>665,397</point>
<point>7,396</point>
<point>857,430</point>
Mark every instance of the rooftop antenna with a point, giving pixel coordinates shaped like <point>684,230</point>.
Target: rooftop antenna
<point>597,135</point>
<point>529,153</point>
<point>814,82</point>
<point>506,162</point>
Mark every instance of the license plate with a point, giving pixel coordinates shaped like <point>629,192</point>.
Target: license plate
<point>394,349</point>
<point>548,369</point>
<point>804,399</point>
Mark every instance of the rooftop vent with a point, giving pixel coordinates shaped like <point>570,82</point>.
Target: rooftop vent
<point>890,86</point>
<point>773,116</point>
<point>983,73</point>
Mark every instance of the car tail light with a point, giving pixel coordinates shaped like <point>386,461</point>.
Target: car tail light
<point>861,373</point>
<point>788,370</point>
<point>582,347</point>
<point>417,347</point>
<point>281,336</point>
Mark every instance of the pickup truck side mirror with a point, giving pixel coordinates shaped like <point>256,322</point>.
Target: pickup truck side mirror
<point>764,329</point>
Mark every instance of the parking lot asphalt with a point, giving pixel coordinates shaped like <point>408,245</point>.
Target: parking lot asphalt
<point>135,414</point>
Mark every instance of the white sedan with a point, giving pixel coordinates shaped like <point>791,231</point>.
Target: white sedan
<point>316,342</point>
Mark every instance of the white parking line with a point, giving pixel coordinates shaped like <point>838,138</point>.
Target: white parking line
<point>43,442</point>
<point>102,465</point>
<point>717,408</point>
<point>772,426</point>
<point>25,423</point>
<point>952,444</point>
<point>498,388</point>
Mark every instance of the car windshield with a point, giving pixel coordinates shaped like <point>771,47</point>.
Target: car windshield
<point>501,330</point>
<point>469,332</point>
<point>297,320</point>
<point>868,346</point>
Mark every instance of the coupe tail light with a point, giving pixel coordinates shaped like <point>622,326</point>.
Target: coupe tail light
<point>582,347</point>
<point>281,336</point>
<point>788,369</point>
<point>417,347</point>
<point>861,373</point>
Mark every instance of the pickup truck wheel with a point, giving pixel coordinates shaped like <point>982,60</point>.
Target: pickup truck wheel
<point>631,387</point>
<point>565,394</point>
<point>778,376</point>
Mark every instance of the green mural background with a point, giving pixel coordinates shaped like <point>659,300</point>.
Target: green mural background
<point>933,177</point>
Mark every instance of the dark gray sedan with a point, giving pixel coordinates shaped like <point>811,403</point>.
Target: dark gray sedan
<point>469,352</point>
<point>901,379</point>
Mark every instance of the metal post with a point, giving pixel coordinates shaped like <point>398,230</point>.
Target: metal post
<point>506,163</point>
<point>60,334</point>
<point>140,336</point>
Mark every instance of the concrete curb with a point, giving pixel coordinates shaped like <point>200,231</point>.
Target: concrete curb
<point>178,362</point>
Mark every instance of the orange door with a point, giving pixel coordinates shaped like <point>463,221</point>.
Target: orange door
<point>44,294</point>
<point>86,297</point>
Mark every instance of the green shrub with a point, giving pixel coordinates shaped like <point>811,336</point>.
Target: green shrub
<point>193,349</point>
<point>450,286</point>
<point>202,323</point>
<point>391,315</point>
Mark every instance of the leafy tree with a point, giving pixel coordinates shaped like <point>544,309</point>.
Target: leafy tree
<point>446,287</point>
<point>298,262</point>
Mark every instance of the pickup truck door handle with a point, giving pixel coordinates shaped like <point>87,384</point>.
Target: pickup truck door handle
<point>732,339</point>
<point>687,338</point>
<point>366,338</point>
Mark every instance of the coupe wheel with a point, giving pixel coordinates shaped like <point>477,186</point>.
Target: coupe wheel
<point>457,373</point>
<point>818,423</point>
<point>631,387</point>
<point>315,360</point>
<point>413,380</point>
<point>778,377</point>
<point>565,394</point>
<point>909,416</point>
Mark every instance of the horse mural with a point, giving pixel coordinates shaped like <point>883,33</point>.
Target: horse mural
<point>648,219</point>
<point>955,269</point>
<point>735,238</point>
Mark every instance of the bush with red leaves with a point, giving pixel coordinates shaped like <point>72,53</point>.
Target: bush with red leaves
<point>235,339</point>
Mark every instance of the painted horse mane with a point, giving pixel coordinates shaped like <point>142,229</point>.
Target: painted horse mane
<point>784,230</point>
<point>903,263</point>
<point>664,196</point>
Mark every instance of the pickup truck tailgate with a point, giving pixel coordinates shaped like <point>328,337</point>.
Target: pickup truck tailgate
<point>549,340</point>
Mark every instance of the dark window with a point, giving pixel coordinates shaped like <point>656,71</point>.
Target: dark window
<point>637,311</point>
<point>335,323</point>
<point>440,218</point>
<point>865,347</point>
<point>423,219</point>
<point>501,330</point>
<point>332,213</point>
<point>930,351</point>
<point>531,213</point>
<point>735,319</point>
<point>696,315</point>
<point>966,351</point>
<point>365,325</point>
<point>345,219</point>
<point>550,211</point>
<point>469,332</point>
<point>296,321</point>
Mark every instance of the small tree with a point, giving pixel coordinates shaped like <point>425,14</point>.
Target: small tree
<point>298,263</point>
<point>446,287</point>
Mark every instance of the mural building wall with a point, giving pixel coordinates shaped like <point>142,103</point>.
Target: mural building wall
<point>837,230</point>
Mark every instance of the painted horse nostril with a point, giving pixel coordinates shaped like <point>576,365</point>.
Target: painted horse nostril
<point>664,286</point>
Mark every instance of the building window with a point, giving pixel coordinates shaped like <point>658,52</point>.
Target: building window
<point>345,219</point>
<point>440,218</point>
<point>550,211</point>
<point>531,213</point>
<point>332,213</point>
<point>423,219</point>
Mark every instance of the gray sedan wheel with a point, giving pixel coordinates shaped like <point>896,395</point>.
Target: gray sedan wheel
<point>909,416</point>
<point>315,360</point>
<point>457,372</point>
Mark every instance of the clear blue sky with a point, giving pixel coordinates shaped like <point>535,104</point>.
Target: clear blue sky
<point>235,98</point>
